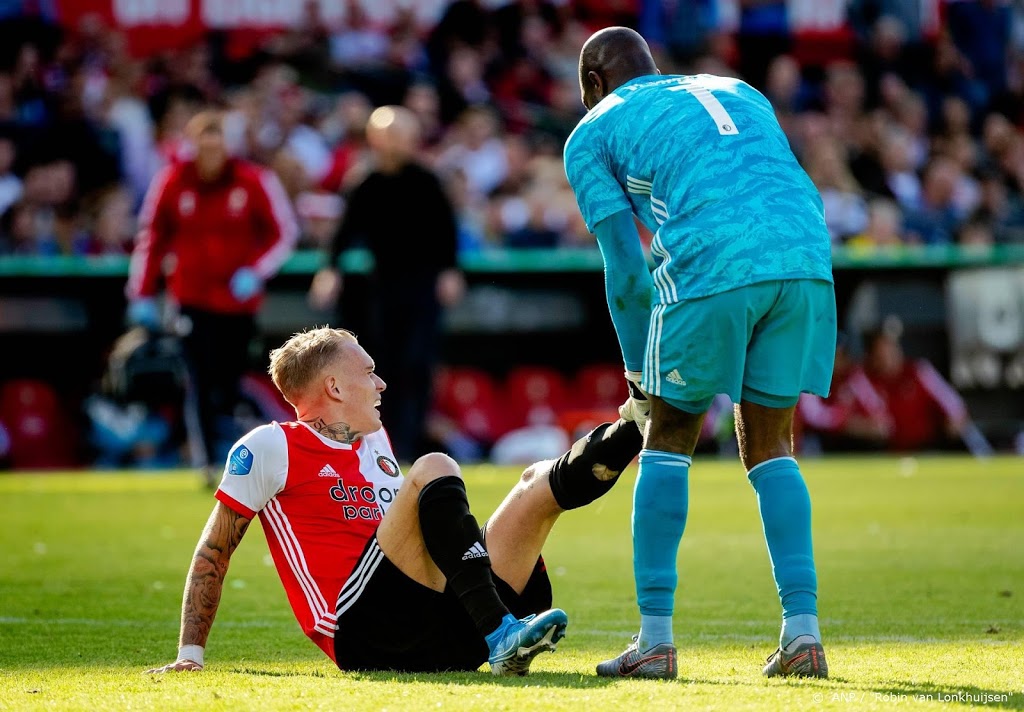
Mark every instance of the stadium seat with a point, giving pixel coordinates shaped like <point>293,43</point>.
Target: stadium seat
<point>597,392</point>
<point>535,395</point>
<point>39,432</point>
<point>599,386</point>
<point>470,398</point>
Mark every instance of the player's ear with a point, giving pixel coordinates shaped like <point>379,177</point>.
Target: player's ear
<point>597,82</point>
<point>332,387</point>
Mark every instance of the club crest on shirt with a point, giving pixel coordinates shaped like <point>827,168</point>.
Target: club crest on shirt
<point>388,466</point>
<point>187,203</point>
<point>237,200</point>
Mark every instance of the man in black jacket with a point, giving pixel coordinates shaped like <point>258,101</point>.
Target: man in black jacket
<point>401,213</point>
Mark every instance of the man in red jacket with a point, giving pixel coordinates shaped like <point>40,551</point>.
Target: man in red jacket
<point>229,226</point>
<point>924,409</point>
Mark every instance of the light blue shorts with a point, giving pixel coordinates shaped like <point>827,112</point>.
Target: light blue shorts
<point>765,343</point>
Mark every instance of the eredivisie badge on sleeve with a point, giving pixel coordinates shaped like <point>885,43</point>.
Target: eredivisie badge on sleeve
<point>240,462</point>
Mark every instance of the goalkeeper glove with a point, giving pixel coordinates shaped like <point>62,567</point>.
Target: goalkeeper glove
<point>637,408</point>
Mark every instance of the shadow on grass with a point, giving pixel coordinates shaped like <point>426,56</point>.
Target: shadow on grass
<point>536,679</point>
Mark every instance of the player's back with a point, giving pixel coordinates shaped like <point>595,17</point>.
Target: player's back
<point>705,165</point>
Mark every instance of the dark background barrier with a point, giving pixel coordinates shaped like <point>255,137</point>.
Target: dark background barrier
<point>58,316</point>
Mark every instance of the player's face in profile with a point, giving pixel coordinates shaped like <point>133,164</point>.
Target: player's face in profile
<point>360,388</point>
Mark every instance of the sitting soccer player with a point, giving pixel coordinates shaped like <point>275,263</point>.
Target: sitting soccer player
<point>414,583</point>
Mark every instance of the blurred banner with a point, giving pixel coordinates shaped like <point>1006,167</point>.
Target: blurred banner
<point>153,26</point>
<point>985,309</point>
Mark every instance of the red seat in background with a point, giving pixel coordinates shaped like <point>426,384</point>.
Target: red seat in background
<point>41,436</point>
<point>470,397</point>
<point>599,386</point>
<point>597,392</point>
<point>535,395</point>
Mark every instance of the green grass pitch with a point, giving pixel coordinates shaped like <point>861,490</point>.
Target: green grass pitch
<point>920,563</point>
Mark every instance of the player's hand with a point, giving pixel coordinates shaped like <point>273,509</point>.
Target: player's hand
<point>245,284</point>
<point>144,312</point>
<point>325,290</point>
<point>177,666</point>
<point>637,408</point>
<point>451,287</point>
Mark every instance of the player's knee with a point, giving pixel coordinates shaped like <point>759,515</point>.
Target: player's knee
<point>530,475</point>
<point>430,467</point>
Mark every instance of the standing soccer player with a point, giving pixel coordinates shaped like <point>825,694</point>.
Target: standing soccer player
<point>230,227</point>
<point>740,302</point>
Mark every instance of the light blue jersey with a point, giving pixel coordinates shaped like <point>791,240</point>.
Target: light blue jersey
<point>703,163</point>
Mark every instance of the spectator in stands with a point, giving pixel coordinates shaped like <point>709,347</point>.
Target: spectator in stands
<point>1005,210</point>
<point>925,411</point>
<point>783,88</point>
<point>935,219</point>
<point>478,150</point>
<point>113,223</point>
<point>976,232</point>
<point>10,185</point>
<point>402,214</point>
<point>347,123</point>
<point>981,31</point>
<point>845,209</point>
<point>127,114</point>
<point>763,35</point>
<point>230,227</point>
<point>901,180</point>
<point>885,223</point>
<point>844,98</point>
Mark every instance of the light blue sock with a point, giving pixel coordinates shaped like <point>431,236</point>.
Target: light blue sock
<point>786,515</point>
<point>654,630</point>
<point>795,626</point>
<point>660,500</point>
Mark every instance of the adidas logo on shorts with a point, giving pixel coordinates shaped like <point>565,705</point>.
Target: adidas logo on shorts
<point>477,551</point>
<point>675,377</point>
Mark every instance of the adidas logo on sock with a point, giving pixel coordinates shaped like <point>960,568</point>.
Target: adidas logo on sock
<point>477,551</point>
<point>675,377</point>
<point>328,471</point>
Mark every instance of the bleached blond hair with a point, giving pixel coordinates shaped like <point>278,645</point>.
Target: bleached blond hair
<point>296,364</point>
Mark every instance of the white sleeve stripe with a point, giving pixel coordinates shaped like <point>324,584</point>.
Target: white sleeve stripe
<point>281,534</point>
<point>937,387</point>
<point>140,255</point>
<point>287,229</point>
<point>275,506</point>
<point>866,394</point>
<point>817,413</point>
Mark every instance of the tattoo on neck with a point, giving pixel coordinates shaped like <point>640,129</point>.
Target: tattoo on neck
<point>341,432</point>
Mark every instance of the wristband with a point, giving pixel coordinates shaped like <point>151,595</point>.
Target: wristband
<point>194,653</point>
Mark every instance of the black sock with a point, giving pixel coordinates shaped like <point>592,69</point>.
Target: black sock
<point>452,536</point>
<point>592,465</point>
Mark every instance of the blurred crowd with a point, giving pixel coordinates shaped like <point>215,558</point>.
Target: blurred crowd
<point>905,113</point>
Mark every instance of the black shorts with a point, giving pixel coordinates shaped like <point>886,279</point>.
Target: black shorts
<point>387,621</point>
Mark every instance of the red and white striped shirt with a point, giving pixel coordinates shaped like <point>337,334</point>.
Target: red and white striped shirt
<point>319,501</point>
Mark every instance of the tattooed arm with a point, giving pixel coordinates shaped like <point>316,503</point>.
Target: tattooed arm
<point>205,581</point>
